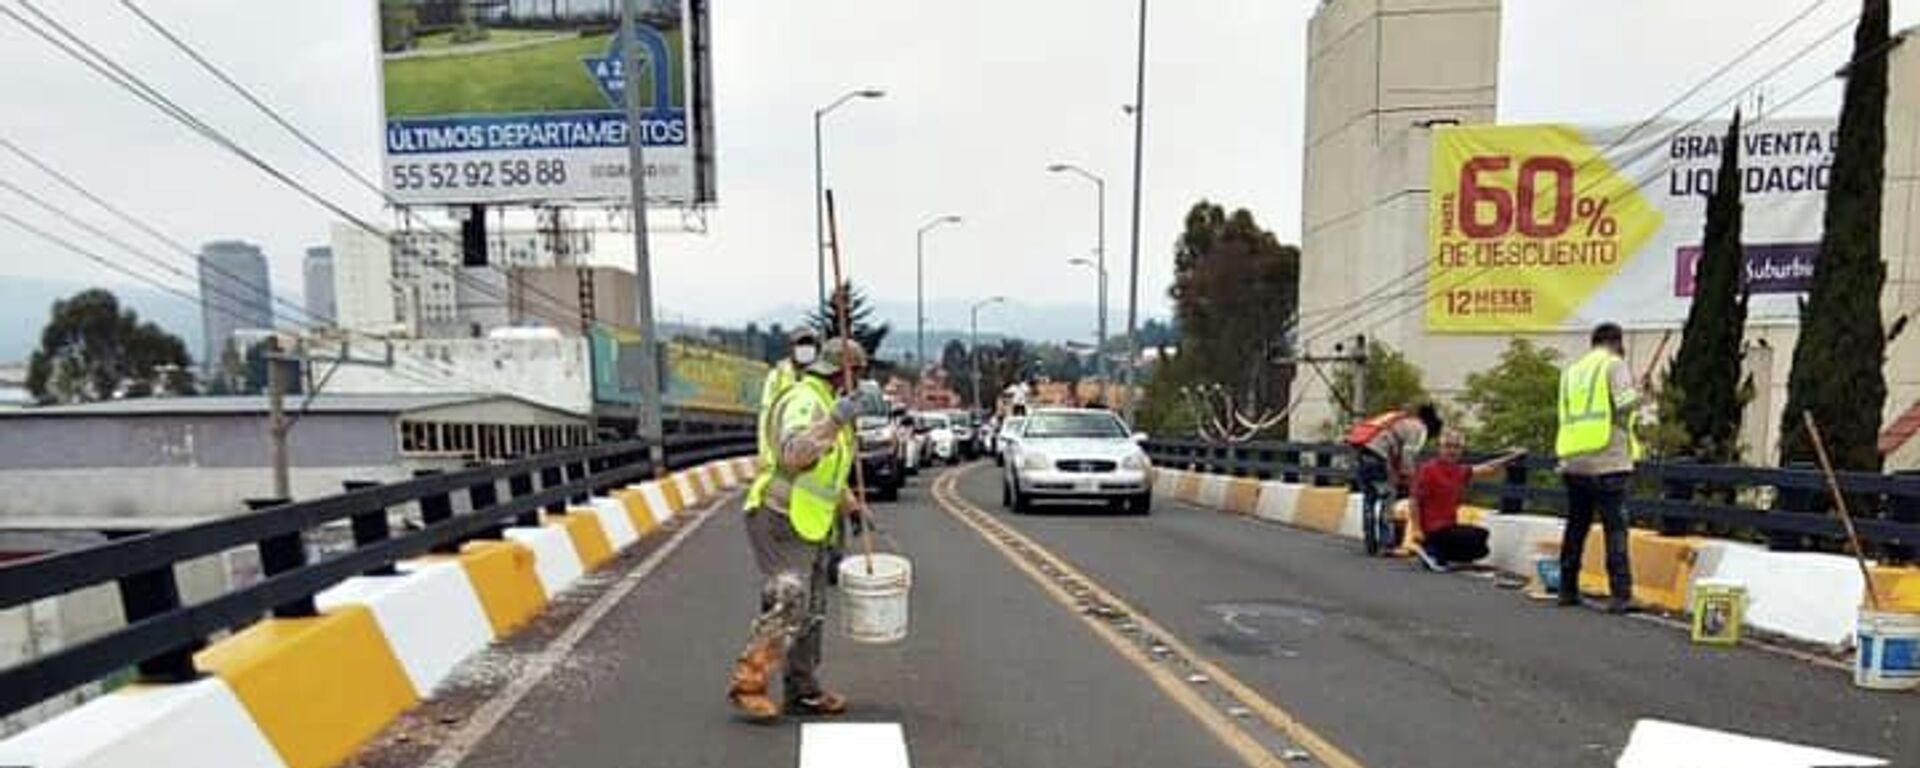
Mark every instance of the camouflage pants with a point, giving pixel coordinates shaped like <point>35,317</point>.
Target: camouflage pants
<point>793,597</point>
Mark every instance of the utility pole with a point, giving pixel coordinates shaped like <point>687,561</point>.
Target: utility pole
<point>1356,356</point>
<point>651,429</point>
<point>277,425</point>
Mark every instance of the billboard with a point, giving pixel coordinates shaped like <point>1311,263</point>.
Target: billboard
<point>694,378</point>
<point>705,380</point>
<point>524,101</point>
<point>1558,227</point>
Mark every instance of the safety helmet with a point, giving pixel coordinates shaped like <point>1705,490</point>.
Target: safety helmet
<point>802,333</point>
<point>839,353</point>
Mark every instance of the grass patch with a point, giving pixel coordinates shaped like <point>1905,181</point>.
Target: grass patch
<point>537,78</point>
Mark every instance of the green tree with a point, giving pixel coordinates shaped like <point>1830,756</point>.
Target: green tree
<point>1235,288</point>
<point>827,319</point>
<point>1002,366</point>
<point>955,360</point>
<point>1837,362</point>
<point>1702,397</point>
<point>92,349</point>
<point>1512,404</point>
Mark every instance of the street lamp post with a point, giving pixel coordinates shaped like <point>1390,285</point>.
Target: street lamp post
<point>1100,284</point>
<point>1100,257</point>
<point>819,186</point>
<point>1133,266</point>
<point>920,288</point>
<point>973,342</point>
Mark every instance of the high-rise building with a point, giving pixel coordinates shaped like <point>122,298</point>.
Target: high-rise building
<point>235,295</point>
<point>317,275</point>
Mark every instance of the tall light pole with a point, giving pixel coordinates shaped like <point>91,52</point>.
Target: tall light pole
<point>973,342</point>
<point>1100,284</point>
<point>1099,255</point>
<point>1133,269</point>
<point>652,428</point>
<point>920,287</point>
<point>820,184</point>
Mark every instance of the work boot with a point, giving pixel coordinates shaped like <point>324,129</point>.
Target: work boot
<point>748,687</point>
<point>826,703</point>
<point>1619,606</point>
<point>1567,598</point>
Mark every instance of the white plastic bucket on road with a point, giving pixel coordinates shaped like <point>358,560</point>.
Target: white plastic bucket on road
<point>875,608</point>
<point>1887,656</point>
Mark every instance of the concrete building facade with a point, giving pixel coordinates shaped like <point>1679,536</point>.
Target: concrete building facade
<point>1382,74</point>
<point>235,295</point>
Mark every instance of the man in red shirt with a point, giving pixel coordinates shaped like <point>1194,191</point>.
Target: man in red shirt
<point>1438,489</point>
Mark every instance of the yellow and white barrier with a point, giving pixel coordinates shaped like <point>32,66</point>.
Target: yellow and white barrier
<point>309,692</point>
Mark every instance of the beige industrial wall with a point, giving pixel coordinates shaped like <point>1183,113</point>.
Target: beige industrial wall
<point>1378,70</point>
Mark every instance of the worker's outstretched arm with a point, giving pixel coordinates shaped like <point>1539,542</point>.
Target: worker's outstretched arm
<point>808,430</point>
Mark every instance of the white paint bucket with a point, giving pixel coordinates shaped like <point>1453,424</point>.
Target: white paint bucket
<point>1887,654</point>
<point>875,588</point>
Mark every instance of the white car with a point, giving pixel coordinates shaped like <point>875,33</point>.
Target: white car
<point>942,444</point>
<point>1077,453</point>
<point>1005,437</point>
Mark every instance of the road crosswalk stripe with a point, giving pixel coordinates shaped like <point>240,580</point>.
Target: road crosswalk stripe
<point>853,745</point>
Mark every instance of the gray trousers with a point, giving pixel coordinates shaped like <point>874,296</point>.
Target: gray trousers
<point>793,597</point>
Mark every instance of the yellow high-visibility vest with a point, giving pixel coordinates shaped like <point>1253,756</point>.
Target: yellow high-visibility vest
<point>1586,408</point>
<point>811,496</point>
<point>778,381</point>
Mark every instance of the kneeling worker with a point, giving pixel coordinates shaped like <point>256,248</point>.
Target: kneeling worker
<point>793,509</point>
<point>1438,490</point>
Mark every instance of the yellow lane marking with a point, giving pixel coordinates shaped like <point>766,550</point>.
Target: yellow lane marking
<point>1251,751</point>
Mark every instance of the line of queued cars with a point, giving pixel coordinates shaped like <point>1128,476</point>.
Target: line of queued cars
<point>1045,454</point>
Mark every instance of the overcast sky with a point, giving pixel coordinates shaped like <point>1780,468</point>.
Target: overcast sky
<point>982,96</point>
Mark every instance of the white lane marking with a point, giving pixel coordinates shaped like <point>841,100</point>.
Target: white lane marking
<point>1660,744</point>
<point>462,742</point>
<point>853,745</point>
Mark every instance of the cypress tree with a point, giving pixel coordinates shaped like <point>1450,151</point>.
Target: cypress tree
<point>1704,382</point>
<point>1837,363</point>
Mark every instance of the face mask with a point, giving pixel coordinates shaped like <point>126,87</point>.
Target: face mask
<point>806,354</point>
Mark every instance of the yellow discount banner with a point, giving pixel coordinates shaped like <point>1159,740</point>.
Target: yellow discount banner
<point>1526,225</point>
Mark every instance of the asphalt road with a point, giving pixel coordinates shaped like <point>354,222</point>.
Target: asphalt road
<point>1394,666</point>
<point>1401,667</point>
<point>994,674</point>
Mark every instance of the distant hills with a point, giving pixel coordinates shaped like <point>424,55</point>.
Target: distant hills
<point>949,320</point>
<point>26,301</point>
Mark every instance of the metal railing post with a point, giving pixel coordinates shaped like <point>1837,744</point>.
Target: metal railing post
<point>436,508</point>
<point>1906,510</point>
<point>370,527</point>
<point>520,486</point>
<point>483,496</point>
<point>1512,502</point>
<point>1678,490</point>
<point>1323,461</point>
<point>576,471</point>
<point>152,593</point>
<point>1290,465</point>
<point>280,554</point>
<point>550,478</point>
<point>1792,499</point>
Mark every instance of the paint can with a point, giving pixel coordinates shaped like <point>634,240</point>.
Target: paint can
<point>874,589</point>
<point>1719,610</point>
<point>1887,651</point>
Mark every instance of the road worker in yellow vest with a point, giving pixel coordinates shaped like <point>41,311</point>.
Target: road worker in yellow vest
<point>1597,450</point>
<point>803,348</point>
<point>794,509</point>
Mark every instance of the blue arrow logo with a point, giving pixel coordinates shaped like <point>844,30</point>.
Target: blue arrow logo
<point>609,71</point>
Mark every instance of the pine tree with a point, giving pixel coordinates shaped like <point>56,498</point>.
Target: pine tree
<point>1837,364</point>
<point>1703,387</point>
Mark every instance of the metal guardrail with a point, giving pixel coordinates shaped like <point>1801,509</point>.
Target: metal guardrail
<point>161,635</point>
<point>1675,497</point>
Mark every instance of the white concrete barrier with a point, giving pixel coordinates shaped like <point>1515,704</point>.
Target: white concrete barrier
<point>1164,481</point>
<point>1805,595</point>
<point>615,521</point>
<point>1513,539</point>
<point>430,615</point>
<point>554,559</point>
<point>1352,526</point>
<point>144,725</point>
<point>1213,491</point>
<point>1277,501</point>
<point>656,500</point>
